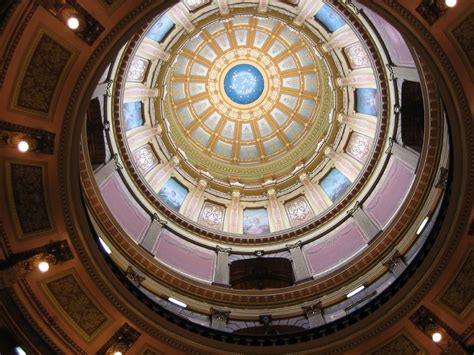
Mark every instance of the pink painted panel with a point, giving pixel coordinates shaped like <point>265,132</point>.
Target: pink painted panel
<point>128,213</point>
<point>185,257</point>
<point>390,192</point>
<point>334,248</point>
<point>393,40</point>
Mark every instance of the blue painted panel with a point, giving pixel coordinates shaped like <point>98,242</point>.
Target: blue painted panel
<point>335,184</point>
<point>173,194</point>
<point>366,101</point>
<point>160,29</point>
<point>243,84</point>
<point>132,115</point>
<point>329,18</point>
<point>256,221</point>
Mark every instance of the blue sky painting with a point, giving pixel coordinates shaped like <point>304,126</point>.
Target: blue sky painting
<point>160,29</point>
<point>173,194</point>
<point>335,184</point>
<point>366,101</point>
<point>329,18</point>
<point>132,115</point>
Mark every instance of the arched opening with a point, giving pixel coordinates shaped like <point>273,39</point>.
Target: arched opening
<point>95,134</point>
<point>412,115</point>
<point>261,273</point>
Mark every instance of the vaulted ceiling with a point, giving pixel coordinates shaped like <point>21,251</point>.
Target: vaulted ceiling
<point>226,96</point>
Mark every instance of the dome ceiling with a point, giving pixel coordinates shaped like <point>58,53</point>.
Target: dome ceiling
<point>241,132</point>
<point>243,98</point>
<point>244,91</point>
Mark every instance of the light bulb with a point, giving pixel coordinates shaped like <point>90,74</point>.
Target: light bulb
<point>436,337</point>
<point>117,353</point>
<point>43,266</point>
<point>23,146</point>
<point>73,23</point>
<point>450,3</point>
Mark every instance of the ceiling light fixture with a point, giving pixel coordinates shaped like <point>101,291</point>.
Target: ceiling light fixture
<point>356,291</point>
<point>73,23</point>
<point>436,337</point>
<point>105,246</point>
<point>450,3</point>
<point>176,302</point>
<point>43,266</point>
<point>422,226</point>
<point>23,146</point>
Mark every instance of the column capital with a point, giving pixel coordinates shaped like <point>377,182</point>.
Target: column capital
<point>354,209</point>
<point>313,309</point>
<point>175,160</point>
<point>271,192</point>
<point>133,276</point>
<point>442,182</point>
<point>157,218</point>
<point>394,260</point>
<point>223,250</point>
<point>218,314</point>
<point>303,177</point>
<point>294,246</point>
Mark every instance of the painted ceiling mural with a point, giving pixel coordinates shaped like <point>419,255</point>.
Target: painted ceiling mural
<point>268,139</point>
<point>247,102</point>
<point>241,93</point>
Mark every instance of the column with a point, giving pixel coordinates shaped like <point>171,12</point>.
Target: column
<point>364,124</point>
<point>368,226</point>
<point>141,135</point>
<point>339,39</point>
<point>344,163</point>
<point>233,221</point>
<point>219,319</point>
<point>263,6</point>
<point>160,174</point>
<point>314,313</point>
<point>223,7</point>
<point>300,269</point>
<point>307,8</point>
<point>316,198</point>
<point>402,73</point>
<point>276,213</point>
<point>406,155</point>
<point>151,50</point>
<point>192,206</point>
<point>138,92</point>
<point>361,78</point>
<point>150,238</point>
<point>105,172</point>
<point>179,14</point>
<point>221,274</point>
<point>102,89</point>
<point>395,263</point>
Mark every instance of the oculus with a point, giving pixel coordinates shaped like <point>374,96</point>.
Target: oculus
<point>243,84</point>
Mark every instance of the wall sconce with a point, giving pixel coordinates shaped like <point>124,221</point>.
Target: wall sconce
<point>26,138</point>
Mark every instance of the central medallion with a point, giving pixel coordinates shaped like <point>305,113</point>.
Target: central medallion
<point>243,84</point>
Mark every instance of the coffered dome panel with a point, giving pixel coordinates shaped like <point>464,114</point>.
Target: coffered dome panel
<point>244,91</point>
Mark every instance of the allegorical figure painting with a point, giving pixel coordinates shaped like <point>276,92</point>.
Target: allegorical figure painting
<point>329,18</point>
<point>132,115</point>
<point>256,221</point>
<point>160,29</point>
<point>173,194</point>
<point>366,101</point>
<point>335,184</point>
